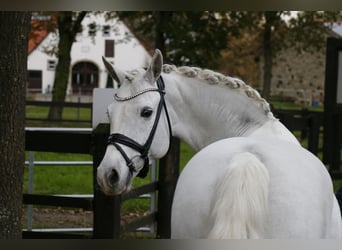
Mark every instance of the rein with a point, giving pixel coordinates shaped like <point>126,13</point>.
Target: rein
<point>116,138</point>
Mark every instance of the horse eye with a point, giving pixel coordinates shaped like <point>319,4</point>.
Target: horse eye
<point>146,112</point>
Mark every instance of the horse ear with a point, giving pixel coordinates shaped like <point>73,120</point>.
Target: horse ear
<point>116,74</point>
<point>155,68</point>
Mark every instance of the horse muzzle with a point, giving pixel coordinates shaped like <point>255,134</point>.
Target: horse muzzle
<point>112,181</point>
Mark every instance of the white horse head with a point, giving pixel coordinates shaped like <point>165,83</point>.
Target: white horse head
<point>138,130</point>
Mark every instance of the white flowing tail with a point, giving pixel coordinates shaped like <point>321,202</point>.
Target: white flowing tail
<point>241,200</point>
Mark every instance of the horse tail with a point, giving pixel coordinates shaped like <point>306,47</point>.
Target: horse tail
<point>241,200</point>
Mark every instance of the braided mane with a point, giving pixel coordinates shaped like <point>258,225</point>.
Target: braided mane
<point>213,77</point>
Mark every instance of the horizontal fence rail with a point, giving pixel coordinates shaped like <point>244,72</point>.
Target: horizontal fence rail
<point>59,104</point>
<point>61,163</point>
<point>59,200</point>
<point>62,140</point>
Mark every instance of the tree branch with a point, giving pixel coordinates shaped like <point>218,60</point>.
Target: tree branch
<point>77,23</point>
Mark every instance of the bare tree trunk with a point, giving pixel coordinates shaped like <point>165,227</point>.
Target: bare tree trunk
<point>269,17</point>
<point>62,69</point>
<point>160,18</point>
<point>67,29</point>
<point>14,28</point>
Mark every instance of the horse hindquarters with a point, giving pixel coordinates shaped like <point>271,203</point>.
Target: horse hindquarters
<point>241,201</point>
<point>335,229</point>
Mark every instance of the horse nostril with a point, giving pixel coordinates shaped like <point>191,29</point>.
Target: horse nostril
<point>113,177</point>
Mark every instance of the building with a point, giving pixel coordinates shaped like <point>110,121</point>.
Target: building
<point>299,75</point>
<point>99,37</point>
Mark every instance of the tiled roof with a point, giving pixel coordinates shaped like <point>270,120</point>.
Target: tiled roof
<point>40,28</point>
<point>37,34</point>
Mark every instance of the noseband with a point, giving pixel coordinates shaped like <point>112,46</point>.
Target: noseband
<point>116,139</point>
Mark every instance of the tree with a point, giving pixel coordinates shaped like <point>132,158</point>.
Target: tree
<point>276,30</point>
<point>189,38</point>
<point>14,28</point>
<point>241,58</point>
<point>68,24</point>
<point>307,29</point>
<point>271,19</point>
<point>198,38</point>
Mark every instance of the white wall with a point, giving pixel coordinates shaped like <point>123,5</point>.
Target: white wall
<point>38,59</point>
<point>128,54</point>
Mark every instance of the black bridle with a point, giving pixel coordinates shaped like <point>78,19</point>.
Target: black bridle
<point>116,139</point>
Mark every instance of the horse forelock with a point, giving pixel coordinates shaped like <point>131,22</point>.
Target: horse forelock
<point>212,77</point>
<point>131,75</point>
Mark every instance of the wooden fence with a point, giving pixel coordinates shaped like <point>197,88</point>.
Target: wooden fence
<point>106,223</point>
<point>308,123</point>
<point>106,210</point>
<point>67,141</point>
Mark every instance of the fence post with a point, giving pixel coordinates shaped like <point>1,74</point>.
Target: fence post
<point>30,190</point>
<point>314,127</point>
<point>106,208</point>
<point>332,106</point>
<point>168,175</point>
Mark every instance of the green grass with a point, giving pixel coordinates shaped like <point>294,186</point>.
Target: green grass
<point>75,113</point>
<point>69,114</point>
<point>337,184</point>
<point>186,154</point>
<point>60,179</point>
<point>277,103</point>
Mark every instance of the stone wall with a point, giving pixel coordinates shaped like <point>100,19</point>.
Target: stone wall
<point>299,75</point>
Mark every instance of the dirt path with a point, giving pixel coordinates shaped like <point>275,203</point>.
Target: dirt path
<point>65,218</point>
<point>59,218</point>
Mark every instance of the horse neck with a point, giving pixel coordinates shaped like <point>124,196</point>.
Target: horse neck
<point>202,113</point>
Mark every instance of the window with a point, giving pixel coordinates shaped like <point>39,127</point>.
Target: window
<point>84,73</point>
<point>84,77</point>
<point>34,80</point>
<point>106,30</point>
<point>92,29</point>
<point>109,48</point>
<point>51,64</point>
